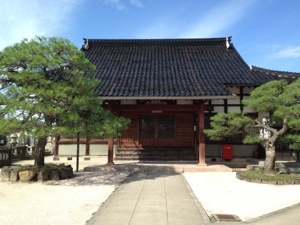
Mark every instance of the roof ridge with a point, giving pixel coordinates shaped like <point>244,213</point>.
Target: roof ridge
<point>156,41</point>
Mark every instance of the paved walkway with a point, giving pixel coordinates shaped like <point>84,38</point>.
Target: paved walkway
<point>158,195</point>
<point>153,196</point>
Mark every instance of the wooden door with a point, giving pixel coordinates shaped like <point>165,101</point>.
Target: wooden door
<point>156,131</point>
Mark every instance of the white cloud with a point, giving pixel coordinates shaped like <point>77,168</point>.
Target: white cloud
<point>19,20</point>
<point>116,3</point>
<point>288,52</point>
<point>137,3</point>
<point>218,19</point>
<point>121,4</point>
<point>160,29</point>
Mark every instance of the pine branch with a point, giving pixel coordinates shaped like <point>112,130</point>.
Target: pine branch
<point>264,126</point>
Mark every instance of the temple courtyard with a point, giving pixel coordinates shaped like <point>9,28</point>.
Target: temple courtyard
<point>77,200</point>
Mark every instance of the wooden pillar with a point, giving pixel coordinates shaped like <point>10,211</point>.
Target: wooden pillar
<point>110,159</point>
<point>201,138</point>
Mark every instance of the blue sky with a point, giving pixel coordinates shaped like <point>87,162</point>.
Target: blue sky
<point>265,32</point>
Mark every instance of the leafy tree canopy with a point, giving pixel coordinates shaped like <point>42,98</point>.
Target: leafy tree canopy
<point>281,100</point>
<point>279,103</point>
<point>47,87</point>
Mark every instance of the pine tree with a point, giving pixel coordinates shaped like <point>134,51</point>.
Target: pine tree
<point>47,88</point>
<point>280,100</point>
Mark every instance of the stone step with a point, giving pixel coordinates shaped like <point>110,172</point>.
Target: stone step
<point>156,154</point>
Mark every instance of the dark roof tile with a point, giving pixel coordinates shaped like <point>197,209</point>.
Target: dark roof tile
<point>168,67</point>
<point>272,74</point>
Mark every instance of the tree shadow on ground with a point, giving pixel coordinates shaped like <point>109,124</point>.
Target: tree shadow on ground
<point>115,174</point>
<point>91,179</point>
<point>150,172</point>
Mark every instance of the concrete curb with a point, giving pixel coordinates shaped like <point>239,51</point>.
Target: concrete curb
<point>272,213</point>
<point>199,206</point>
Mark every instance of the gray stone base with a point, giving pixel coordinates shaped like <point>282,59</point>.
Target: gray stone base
<point>241,176</point>
<point>35,173</point>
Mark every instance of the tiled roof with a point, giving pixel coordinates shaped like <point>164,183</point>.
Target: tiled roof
<point>151,68</point>
<point>273,74</point>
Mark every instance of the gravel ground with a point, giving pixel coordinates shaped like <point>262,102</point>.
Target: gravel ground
<point>62,202</point>
<point>223,193</point>
<point>74,201</point>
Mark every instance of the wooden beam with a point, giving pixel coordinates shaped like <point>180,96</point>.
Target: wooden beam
<point>201,147</point>
<point>156,108</point>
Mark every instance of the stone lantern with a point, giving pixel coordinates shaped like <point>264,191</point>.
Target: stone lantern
<point>13,140</point>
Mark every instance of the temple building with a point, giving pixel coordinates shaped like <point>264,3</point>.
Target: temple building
<point>169,89</point>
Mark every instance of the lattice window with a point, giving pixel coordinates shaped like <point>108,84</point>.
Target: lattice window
<point>147,127</point>
<point>161,126</point>
<point>165,126</point>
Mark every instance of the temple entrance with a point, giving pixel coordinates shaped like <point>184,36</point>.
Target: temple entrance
<point>156,131</point>
<point>158,136</point>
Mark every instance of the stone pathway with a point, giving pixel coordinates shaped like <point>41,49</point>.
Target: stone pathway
<point>151,196</point>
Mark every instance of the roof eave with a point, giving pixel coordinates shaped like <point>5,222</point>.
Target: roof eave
<point>168,97</point>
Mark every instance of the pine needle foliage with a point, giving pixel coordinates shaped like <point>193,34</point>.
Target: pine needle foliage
<point>47,88</point>
<point>281,101</point>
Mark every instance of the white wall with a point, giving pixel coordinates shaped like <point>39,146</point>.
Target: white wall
<point>71,149</point>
